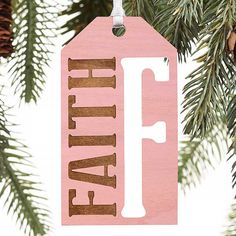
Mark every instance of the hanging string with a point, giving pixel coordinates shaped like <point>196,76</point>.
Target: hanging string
<point>118,14</point>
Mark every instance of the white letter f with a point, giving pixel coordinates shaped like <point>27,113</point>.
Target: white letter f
<point>134,132</point>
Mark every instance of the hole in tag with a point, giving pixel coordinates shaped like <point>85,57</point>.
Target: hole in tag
<point>119,31</point>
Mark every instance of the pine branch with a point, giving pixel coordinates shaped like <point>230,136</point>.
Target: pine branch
<point>23,197</point>
<point>209,85</point>
<point>197,155</point>
<point>82,12</point>
<point>179,22</point>
<point>143,8</point>
<point>231,118</point>
<point>33,29</point>
<point>231,228</point>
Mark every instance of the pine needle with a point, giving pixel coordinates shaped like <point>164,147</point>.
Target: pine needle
<point>33,30</point>
<point>196,155</point>
<point>143,8</point>
<point>231,227</point>
<point>209,86</point>
<point>23,196</point>
<point>83,12</point>
<point>179,22</point>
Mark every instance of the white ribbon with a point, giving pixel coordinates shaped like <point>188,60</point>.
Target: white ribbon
<point>118,13</point>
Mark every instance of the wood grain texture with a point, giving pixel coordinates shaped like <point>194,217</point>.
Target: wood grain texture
<point>103,88</point>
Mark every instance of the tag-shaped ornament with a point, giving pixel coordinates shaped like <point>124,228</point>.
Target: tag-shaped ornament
<point>119,126</point>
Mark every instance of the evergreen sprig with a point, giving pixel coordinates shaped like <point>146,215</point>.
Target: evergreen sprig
<point>207,90</point>
<point>198,154</point>
<point>231,115</point>
<point>22,195</point>
<point>231,227</point>
<point>143,8</point>
<point>33,29</point>
<point>82,12</point>
<point>179,22</point>
<point>231,118</point>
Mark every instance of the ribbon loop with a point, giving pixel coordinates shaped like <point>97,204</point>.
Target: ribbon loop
<point>118,13</point>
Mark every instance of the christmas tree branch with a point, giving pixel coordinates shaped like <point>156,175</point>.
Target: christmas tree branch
<point>143,8</point>
<point>197,154</point>
<point>83,12</point>
<point>231,228</point>
<point>23,197</point>
<point>179,22</point>
<point>231,118</point>
<point>206,92</point>
<point>33,29</point>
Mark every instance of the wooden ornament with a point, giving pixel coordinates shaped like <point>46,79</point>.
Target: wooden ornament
<point>116,167</point>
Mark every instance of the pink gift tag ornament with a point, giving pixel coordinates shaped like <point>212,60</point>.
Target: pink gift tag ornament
<point>119,126</point>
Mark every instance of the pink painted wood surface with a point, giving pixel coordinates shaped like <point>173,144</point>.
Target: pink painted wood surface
<point>159,103</point>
